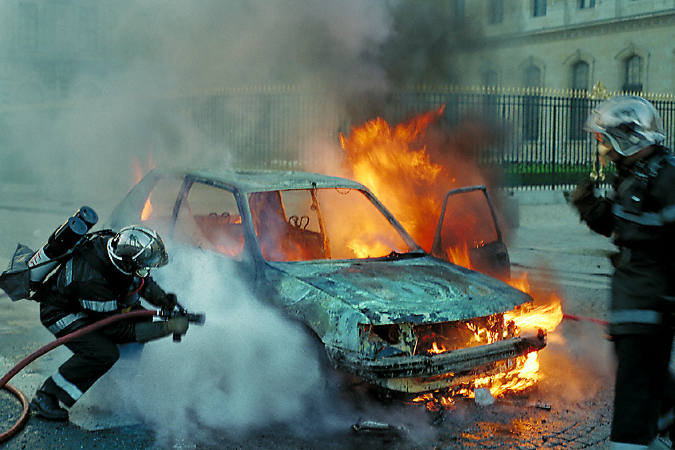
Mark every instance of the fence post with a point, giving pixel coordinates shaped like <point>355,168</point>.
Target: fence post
<point>554,139</point>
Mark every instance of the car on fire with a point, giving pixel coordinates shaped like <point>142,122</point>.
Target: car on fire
<point>327,252</point>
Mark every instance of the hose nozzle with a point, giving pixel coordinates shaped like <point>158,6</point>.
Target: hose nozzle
<point>196,318</point>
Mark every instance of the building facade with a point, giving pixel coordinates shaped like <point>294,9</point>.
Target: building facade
<point>571,44</point>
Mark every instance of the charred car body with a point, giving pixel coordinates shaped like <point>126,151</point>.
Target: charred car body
<point>327,253</point>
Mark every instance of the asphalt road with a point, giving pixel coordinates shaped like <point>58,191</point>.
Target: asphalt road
<point>570,407</point>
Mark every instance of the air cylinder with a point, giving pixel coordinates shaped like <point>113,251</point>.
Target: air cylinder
<point>62,240</point>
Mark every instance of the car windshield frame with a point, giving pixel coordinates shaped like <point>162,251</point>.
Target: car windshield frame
<point>319,231</point>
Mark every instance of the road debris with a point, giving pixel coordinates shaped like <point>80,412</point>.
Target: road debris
<point>371,426</point>
<point>483,397</point>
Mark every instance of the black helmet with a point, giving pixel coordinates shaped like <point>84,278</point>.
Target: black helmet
<point>629,122</point>
<point>135,249</point>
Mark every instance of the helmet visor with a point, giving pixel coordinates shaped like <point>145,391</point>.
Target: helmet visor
<point>153,255</point>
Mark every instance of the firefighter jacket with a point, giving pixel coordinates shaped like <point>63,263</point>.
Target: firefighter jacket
<point>641,219</point>
<point>87,287</point>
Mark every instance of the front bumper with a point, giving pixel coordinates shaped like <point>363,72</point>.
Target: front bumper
<point>424,373</point>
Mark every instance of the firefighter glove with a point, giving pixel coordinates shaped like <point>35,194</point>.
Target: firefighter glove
<point>170,301</point>
<point>583,197</point>
<point>148,331</point>
<point>177,325</point>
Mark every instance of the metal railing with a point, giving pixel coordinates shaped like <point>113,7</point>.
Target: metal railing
<point>542,141</point>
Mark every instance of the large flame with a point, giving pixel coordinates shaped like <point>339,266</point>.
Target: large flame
<point>546,313</point>
<point>394,163</point>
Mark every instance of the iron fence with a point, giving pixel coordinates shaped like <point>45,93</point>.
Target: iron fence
<point>542,142</point>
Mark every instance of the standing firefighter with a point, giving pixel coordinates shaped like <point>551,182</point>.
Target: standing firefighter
<point>106,275</point>
<point>641,219</point>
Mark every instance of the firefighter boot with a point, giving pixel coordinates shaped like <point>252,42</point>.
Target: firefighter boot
<point>46,405</point>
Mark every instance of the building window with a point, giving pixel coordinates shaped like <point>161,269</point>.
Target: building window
<point>580,75</point>
<point>538,8</point>
<point>579,106</point>
<point>28,26</point>
<point>583,4</point>
<point>531,105</point>
<point>496,11</point>
<point>633,74</point>
<point>532,76</point>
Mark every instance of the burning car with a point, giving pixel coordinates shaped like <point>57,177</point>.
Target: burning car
<point>328,253</point>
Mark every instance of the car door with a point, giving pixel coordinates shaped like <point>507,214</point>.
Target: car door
<point>468,233</point>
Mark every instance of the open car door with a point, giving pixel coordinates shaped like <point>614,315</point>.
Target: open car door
<point>468,233</point>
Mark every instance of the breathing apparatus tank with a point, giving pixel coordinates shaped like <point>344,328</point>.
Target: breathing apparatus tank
<point>63,239</point>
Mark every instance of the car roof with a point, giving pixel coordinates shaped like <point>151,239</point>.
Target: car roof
<point>266,180</point>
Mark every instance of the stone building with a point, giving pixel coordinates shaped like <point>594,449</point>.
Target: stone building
<point>571,44</point>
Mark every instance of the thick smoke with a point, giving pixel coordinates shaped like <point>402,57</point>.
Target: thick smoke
<point>87,127</point>
<point>79,139</point>
<point>82,140</point>
<point>246,368</point>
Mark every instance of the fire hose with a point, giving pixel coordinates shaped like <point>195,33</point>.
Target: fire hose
<point>585,319</point>
<point>192,317</point>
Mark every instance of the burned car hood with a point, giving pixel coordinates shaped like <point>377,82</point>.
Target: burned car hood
<point>418,290</point>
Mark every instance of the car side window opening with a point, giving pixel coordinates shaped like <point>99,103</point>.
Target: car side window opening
<point>329,223</point>
<point>209,218</point>
<point>158,206</point>
<point>468,222</point>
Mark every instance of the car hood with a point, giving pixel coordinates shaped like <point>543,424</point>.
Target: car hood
<point>418,290</point>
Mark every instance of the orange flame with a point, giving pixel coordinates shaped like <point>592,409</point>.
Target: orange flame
<point>147,209</point>
<point>435,349</point>
<point>395,164</point>
<point>459,256</point>
<point>139,170</point>
<point>545,314</point>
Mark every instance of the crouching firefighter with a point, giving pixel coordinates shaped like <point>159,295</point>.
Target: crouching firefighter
<point>106,275</point>
<point>641,218</point>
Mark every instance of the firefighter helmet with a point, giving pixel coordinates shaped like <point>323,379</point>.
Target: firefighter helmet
<point>630,123</point>
<point>136,249</point>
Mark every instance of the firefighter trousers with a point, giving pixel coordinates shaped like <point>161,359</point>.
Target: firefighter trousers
<point>93,355</point>
<point>644,388</point>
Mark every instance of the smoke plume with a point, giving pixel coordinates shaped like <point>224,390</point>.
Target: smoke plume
<point>246,368</point>
<point>78,129</point>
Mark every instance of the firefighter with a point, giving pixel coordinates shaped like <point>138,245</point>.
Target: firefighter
<point>105,276</point>
<point>640,216</point>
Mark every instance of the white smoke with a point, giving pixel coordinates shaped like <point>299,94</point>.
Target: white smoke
<point>155,54</point>
<point>246,368</point>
